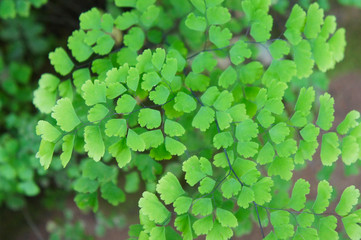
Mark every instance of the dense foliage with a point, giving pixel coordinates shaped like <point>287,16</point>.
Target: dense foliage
<point>207,106</point>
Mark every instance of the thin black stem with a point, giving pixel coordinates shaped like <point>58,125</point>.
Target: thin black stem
<point>31,224</point>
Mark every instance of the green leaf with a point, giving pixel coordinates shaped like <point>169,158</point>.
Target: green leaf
<point>133,79</point>
<point>349,122</point>
<point>279,48</point>
<point>7,9</point>
<point>159,95</point>
<point>282,70</point>
<point>86,185</point>
<point>115,90</point>
<point>281,166</point>
<point>310,132</point>
<point>67,147</point>
<point>251,72</point>
<point>265,118</point>
<point>223,140</point>
<point>329,148</point>
<point>47,131</point>
<point>322,54</point>
<point>79,49</point>
<point>337,44</point>
<point>153,208</point>
<point>61,61</point>
<point>90,19</point>
<point>218,15</point>
<point>203,61</point>
<point>45,153</point>
<point>261,26</point>
<point>352,226</point>
<point>203,119</point>
<point>314,20</point>
<point>174,147</point>
<point>245,197</point>
<point>218,232</point>
<point>116,127</point>
<point>227,78</point>
<point>299,192</point>
<point>117,75</point>
<point>150,80</point>
<point>197,82</point>
<point>226,218</point>
<point>274,105</point>
<point>247,149</point>
<point>298,119</point>
<point>197,23</point>
<point>324,191</point>
<point>302,56</point>
<point>295,25</point>
<point>210,96</point>
<point>327,226</point>
<point>305,100</point>
<point>135,142</point>
<point>305,219</point>
<point>266,154</point>
<point>169,69</point>
<point>184,103</point>
<point>329,27</point>
<point>150,16</point>
<point>200,5</point>
<point>104,45</point>
<point>183,224</point>
<point>306,151</point>
<point>223,101</point>
<point>239,52</point>
<point>349,150</point>
<point>134,39</point>
<point>149,118</point>
<point>203,225</point>
<point>348,200</point>
<point>125,104</point>
<point>158,58</point>
<point>153,139</point>
<point>182,204</point>
<point>286,148</point>
<point>280,221</point>
<point>65,115</point>
<point>193,170</point>
<point>262,190</point>
<point>157,233</point>
<point>202,206</point>
<point>219,37</point>
<point>279,132</point>
<point>172,128</point>
<point>94,143</point>
<point>325,114</point>
<point>97,113</point>
<point>126,20</point>
<point>224,120</point>
<point>246,130</point>
<point>169,188</point>
<point>121,152</point>
<point>206,185</point>
<point>94,93</point>
<point>230,187</point>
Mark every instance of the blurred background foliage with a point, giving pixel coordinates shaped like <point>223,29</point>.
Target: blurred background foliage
<point>29,30</point>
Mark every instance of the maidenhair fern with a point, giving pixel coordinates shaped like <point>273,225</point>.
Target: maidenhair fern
<point>185,81</point>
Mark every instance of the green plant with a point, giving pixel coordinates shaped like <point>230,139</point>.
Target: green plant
<point>283,5</point>
<point>185,81</point>
<point>12,8</point>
